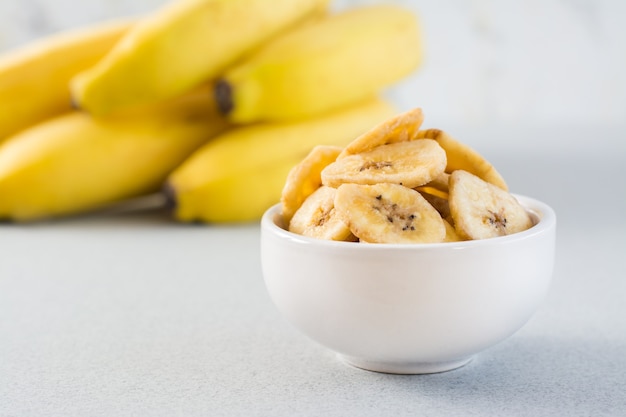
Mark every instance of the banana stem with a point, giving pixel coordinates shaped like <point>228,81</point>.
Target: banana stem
<point>224,96</point>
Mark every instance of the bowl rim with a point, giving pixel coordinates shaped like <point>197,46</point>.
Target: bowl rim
<point>543,215</point>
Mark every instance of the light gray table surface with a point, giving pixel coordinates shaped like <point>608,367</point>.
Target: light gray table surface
<point>133,315</point>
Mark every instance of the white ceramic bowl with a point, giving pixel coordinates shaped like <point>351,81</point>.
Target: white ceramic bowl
<point>409,309</point>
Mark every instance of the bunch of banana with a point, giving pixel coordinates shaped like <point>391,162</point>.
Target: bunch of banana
<point>211,101</point>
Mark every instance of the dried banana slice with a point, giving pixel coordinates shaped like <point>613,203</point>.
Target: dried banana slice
<point>440,182</point>
<point>411,164</point>
<point>318,218</point>
<point>401,128</point>
<point>461,156</point>
<point>305,178</point>
<point>482,210</point>
<point>439,203</point>
<point>451,234</point>
<point>388,213</point>
<point>438,187</point>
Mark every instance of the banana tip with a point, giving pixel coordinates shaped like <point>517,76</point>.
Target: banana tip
<point>223,92</point>
<point>170,196</point>
<point>75,104</point>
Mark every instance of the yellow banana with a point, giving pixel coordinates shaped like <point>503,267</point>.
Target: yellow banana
<point>239,174</point>
<point>34,79</point>
<point>320,67</point>
<point>185,43</point>
<point>76,163</point>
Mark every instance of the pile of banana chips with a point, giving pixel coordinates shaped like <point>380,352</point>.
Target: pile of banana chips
<point>399,184</point>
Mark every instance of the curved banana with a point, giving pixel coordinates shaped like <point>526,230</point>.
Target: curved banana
<point>34,79</point>
<point>238,175</point>
<point>76,163</point>
<point>185,43</point>
<point>323,66</point>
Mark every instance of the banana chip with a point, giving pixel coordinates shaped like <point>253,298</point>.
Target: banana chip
<point>401,128</point>
<point>461,156</point>
<point>481,210</point>
<point>388,213</point>
<point>451,234</point>
<point>304,179</point>
<point>410,164</point>
<point>440,204</point>
<point>318,218</point>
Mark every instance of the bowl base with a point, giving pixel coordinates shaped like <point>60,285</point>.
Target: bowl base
<point>405,368</point>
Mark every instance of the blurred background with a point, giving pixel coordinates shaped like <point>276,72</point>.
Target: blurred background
<point>533,63</point>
